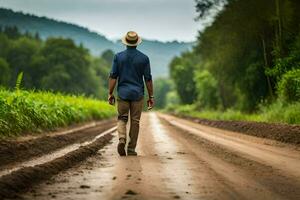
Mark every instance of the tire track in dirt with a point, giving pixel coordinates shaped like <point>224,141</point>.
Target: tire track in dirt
<point>276,131</point>
<point>172,164</point>
<point>223,160</point>
<point>166,168</point>
<point>285,159</point>
<point>23,179</point>
<point>14,151</point>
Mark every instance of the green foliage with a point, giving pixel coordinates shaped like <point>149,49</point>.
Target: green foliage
<point>289,86</point>
<point>108,56</point>
<point>4,45</point>
<point>12,32</point>
<point>290,62</point>
<point>277,112</point>
<point>5,72</point>
<point>19,56</point>
<point>250,49</point>
<point>253,88</point>
<point>67,68</point>
<point>281,112</point>
<point>172,99</point>
<point>205,7</point>
<point>247,49</point>
<point>192,111</point>
<point>24,111</point>
<point>206,86</point>
<point>55,64</point>
<point>182,73</point>
<point>19,81</point>
<point>161,88</point>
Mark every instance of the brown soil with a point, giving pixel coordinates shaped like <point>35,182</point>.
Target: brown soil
<point>13,151</point>
<point>22,180</point>
<point>264,174</point>
<point>191,162</point>
<point>279,132</point>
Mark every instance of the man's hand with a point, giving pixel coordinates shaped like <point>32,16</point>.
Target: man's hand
<point>111,99</point>
<point>150,103</point>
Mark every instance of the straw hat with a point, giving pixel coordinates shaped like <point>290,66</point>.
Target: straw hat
<point>131,39</point>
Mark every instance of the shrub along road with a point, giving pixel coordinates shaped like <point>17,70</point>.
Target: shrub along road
<point>178,159</point>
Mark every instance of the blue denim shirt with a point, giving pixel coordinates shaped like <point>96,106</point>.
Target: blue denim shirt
<point>130,67</point>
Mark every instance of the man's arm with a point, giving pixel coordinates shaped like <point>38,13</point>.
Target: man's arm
<point>113,81</point>
<point>111,86</point>
<point>149,85</point>
<point>150,102</point>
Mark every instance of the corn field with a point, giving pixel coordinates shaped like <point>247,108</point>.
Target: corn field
<point>28,111</point>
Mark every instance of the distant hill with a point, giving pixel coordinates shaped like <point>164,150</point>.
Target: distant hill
<point>160,53</point>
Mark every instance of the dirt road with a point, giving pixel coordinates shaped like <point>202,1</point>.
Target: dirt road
<point>179,159</point>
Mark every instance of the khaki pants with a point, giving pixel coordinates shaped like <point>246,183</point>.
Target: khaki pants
<point>135,109</point>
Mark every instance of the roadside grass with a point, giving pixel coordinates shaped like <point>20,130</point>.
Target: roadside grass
<point>28,111</point>
<point>277,112</point>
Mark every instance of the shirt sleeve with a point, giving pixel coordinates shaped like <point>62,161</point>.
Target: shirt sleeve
<point>114,73</point>
<point>147,71</point>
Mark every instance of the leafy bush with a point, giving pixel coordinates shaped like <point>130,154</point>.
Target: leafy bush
<point>207,91</point>
<point>24,111</point>
<point>289,86</point>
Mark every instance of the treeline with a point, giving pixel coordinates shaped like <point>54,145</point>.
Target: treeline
<point>55,64</point>
<point>47,27</point>
<point>248,56</point>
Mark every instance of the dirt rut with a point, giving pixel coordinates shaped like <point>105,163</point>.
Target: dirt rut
<point>13,151</point>
<point>23,179</point>
<point>280,132</point>
<point>177,163</point>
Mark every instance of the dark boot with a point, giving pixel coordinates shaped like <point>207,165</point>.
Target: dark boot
<point>121,147</point>
<point>131,152</point>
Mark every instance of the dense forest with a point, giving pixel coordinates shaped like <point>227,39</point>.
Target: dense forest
<point>249,55</point>
<point>55,64</point>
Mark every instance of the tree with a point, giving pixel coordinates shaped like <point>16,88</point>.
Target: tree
<point>4,45</point>
<point>71,63</point>
<point>182,72</point>
<point>5,72</point>
<point>205,7</point>
<point>55,64</point>
<point>108,56</point>
<point>19,57</point>
<point>12,32</point>
<point>289,86</point>
<point>172,99</point>
<point>206,85</point>
<point>246,49</point>
<point>162,86</point>
<point>102,69</point>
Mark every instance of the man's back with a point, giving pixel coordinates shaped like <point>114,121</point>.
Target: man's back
<point>130,66</point>
<point>129,69</point>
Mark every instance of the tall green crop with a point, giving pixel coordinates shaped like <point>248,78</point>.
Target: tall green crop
<point>24,111</point>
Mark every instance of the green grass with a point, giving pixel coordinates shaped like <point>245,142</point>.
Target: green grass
<point>277,112</point>
<point>27,111</point>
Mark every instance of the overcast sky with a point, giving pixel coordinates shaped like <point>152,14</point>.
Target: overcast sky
<point>164,20</point>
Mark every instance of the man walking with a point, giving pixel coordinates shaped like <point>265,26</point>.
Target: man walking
<point>129,68</point>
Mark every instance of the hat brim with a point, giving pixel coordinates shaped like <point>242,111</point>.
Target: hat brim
<point>139,41</point>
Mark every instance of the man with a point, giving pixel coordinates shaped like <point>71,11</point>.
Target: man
<point>129,68</point>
